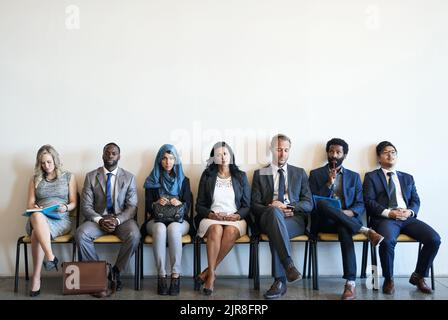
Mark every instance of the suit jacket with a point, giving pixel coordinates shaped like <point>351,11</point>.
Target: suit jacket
<point>351,187</point>
<point>93,198</point>
<point>376,195</point>
<point>207,189</point>
<point>299,193</point>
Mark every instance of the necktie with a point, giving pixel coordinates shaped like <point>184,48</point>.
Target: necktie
<point>281,186</point>
<point>392,192</point>
<point>109,202</point>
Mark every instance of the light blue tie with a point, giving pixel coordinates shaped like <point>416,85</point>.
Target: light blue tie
<point>109,202</point>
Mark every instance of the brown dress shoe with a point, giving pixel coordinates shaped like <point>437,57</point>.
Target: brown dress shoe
<point>292,274</point>
<point>388,286</point>
<point>349,292</point>
<point>374,237</point>
<point>419,281</point>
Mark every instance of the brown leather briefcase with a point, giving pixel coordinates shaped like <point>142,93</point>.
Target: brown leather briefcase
<point>85,277</point>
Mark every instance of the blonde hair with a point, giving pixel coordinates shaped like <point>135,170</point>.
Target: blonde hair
<point>39,174</point>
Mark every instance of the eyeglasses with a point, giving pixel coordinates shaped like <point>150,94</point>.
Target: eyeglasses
<point>392,153</point>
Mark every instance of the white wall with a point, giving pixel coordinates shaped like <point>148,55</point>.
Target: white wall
<point>192,72</point>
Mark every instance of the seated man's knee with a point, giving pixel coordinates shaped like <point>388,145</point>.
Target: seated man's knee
<point>388,243</point>
<point>274,213</point>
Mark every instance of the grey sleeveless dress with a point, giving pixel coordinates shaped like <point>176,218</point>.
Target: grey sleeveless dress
<point>54,192</point>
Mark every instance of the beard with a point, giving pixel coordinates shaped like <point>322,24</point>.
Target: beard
<point>110,164</point>
<point>335,163</point>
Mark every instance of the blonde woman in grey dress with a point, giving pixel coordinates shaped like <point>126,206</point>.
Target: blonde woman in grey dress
<point>49,185</point>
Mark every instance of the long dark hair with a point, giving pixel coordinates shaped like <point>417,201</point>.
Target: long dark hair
<point>212,167</point>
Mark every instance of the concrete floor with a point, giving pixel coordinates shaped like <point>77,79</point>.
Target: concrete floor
<point>227,288</point>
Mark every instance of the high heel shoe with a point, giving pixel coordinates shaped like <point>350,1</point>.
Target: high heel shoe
<point>50,265</point>
<point>34,293</point>
<point>199,280</point>
<point>207,292</point>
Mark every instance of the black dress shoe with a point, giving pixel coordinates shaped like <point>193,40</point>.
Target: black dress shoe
<point>174,286</point>
<point>115,274</point>
<point>162,287</point>
<point>34,293</point>
<point>277,289</point>
<point>50,265</point>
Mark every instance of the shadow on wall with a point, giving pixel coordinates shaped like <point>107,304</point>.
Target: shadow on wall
<point>21,172</point>
<point>368,156</point>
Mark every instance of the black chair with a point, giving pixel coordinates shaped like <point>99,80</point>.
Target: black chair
<point>333,237</point>
<point>64,239</point>
<point>148,240</point>
<point>402,238</point>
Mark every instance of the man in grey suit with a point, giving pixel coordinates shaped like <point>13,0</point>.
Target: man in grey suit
<point>109,204</point>
<point>281,200</point>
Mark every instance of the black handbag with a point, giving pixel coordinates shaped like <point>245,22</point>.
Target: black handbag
<point>168,213</point>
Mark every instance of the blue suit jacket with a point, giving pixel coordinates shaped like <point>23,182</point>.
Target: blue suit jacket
<point>351,186</point>
<point>376,196</point>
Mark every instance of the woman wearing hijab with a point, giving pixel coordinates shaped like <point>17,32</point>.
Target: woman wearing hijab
<point>222,205</point>
<point>167,185</point>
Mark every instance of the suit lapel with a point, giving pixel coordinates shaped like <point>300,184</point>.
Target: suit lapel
<point>291,181</point>
<point>101,180</point>
<point>236,190</point>
<point>402,186</point>
<point>345,182</point>
<point>211,186</point>
<point>118,185</point>
<point>381,176</point>
<point>270,183</point>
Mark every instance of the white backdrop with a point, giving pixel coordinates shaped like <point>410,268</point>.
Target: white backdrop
<point>78,74</point>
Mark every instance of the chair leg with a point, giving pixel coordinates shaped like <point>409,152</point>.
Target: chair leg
<point>251,274</point>
<point>16,278</point>
<point>142,275</point>
<point>433,284</point>
<point>305,259</point>
<point>365,249</point>
<point>25,253</point>
<point>197,258</point>
<point>137,268</point>
<point>310,257</point>
<point>256,266</point>
<point>315,266</point>
<point>73,250</point>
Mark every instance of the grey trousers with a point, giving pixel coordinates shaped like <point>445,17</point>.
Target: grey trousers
<point>173,234</point>
<point>128,233</point>
<point>279,230</point>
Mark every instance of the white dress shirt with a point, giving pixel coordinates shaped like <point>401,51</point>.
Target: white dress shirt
<point>400,200</point>
<point>112,183</point>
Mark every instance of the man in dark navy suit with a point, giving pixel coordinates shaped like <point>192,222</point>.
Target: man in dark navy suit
<point>392,203</point>
<point>335,181</point>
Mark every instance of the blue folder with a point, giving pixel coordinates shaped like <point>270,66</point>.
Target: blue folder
<point>50,212</point>
<point>336,203</point>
